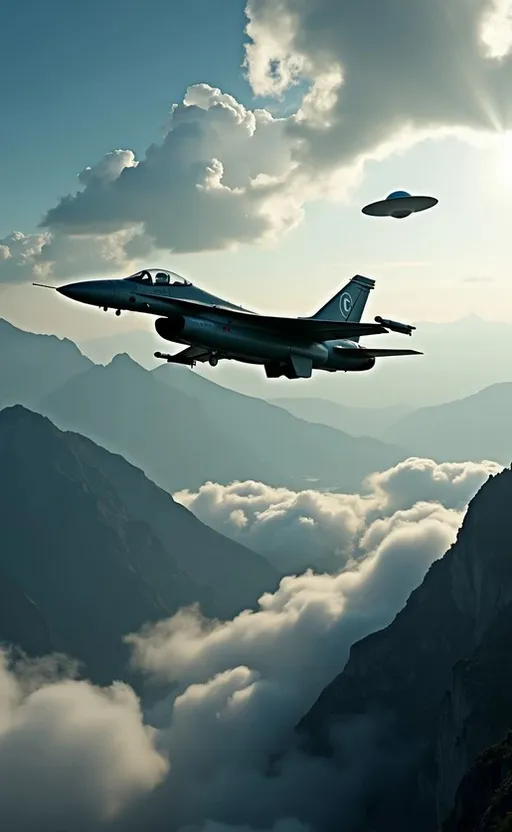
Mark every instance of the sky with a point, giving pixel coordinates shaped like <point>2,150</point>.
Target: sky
<point>236,143</point>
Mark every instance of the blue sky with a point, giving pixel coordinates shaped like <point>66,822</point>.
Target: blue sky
<point>88,79</point>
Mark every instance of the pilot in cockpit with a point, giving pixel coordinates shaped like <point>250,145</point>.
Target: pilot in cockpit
<point>158,278</point>
<point>161,278</point>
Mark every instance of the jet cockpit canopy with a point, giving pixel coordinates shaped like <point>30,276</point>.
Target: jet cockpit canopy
<point>158,277</point>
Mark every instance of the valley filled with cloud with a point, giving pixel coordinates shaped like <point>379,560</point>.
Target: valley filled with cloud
<point>327,530</point>
<point>230,693</point>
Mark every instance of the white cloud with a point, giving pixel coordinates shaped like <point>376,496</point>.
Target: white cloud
<point>293,529</point>
<point>203,187</point>
<point>496,28</point>
<point>70,750</point>
<point>370,78</point>
<point>239,687</point>
<point>47,256</point>
<point>108,169</point>
<point>220,176</point>
<point>452,484</point>
<point>416,67</point>
<point>244,684</point>
<point>323,530</point>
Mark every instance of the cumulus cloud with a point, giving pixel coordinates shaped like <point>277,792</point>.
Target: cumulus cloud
<point>381,70</point>
<point>219,177</point>
<point>71,755</point>
<point>296,530</point>
<point>369,77</point>
<point>49,256</point>
<point>204,186</point>
<point>452,484</point>
<point>292,529</point>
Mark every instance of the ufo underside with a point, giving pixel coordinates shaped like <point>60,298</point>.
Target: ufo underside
<point>399,207</point>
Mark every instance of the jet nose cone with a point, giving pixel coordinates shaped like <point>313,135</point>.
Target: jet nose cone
<point>75,291</point>
<point>89,291</point>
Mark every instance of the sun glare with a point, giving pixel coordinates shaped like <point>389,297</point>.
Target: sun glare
<point>502,162</point>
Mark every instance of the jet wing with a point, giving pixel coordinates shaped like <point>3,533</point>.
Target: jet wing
<point>301,328</point>
<point>378,353</point>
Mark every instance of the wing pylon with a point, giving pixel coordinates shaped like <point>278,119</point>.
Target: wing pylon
<point>189,356</point>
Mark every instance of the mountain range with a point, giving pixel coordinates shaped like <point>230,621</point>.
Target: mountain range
<point>31,366</point>
<point>91,549</point>
<point>357,421</point>
<point>473,428</point>
<point>182,429</point>
<point>476,427</point>
<point>459,358</point>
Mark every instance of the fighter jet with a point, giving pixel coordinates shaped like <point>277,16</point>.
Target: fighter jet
<point>214,329</point>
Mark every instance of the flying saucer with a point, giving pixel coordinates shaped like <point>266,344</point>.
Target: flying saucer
<point>399,205</point>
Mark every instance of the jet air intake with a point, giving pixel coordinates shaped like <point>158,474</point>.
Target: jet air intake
<point>170,328</point>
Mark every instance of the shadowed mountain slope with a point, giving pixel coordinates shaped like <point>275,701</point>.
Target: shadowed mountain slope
<point>100,550</point>
<point>437,678</point>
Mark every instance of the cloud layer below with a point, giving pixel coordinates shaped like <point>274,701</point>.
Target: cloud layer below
<point>231,693</point>
<point>240,687</point>
<point>71,755</point>
<point>325,531</point>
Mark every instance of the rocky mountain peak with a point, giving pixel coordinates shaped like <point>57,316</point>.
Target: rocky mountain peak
<point>409,672</point>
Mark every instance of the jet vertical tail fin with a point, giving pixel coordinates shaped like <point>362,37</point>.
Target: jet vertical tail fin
<point>348,304</point>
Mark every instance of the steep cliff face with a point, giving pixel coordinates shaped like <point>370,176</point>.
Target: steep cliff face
<point>413,674</point>
<point>22,622</point>
<point>480,565</point>
<point>474,714</point>
<point>476,710</point>
<point>484,797</point>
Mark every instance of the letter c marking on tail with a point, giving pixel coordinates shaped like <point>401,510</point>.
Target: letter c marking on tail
<point>345,304</point>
